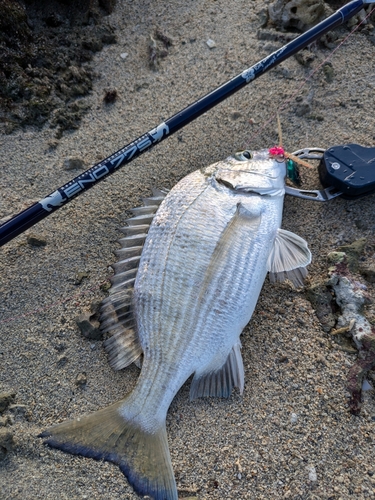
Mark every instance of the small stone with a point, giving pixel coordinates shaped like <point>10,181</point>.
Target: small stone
<point>124,55</point>
<point>6,442</point>
<point>353,253</point>
<point>36,240</point>
<point>367,269</point>
<point>305,57</point>
<point>73,163</point>
<point>328,72</point>
<point>89,327</point>
<point>263,18</point>
<point>62,361</point>
<point>322,301</point>
<point>19,412</point>
<point>4,421</point>
<point>6,398</point>
<point>303,108</point>
<point>81,379</point>
<point>235,115</point>
<point>312,473</point>
<point>211,44</point>
<point>80,276</point>
<point>293,418</point>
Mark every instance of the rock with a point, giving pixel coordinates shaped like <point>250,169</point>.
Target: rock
<point>210,44</point>
<point>19,412</point>
<point>110,96</point>
<point>81,379</point>
<point>6,442</point>
<point>297,14</point>
<point>89,327</point>
<point>312,473</point>
<point>328,72</point>
<point>305,57</point>
<point>80,276</point>
<point>322,301</point>
<point>263,17</point>
<point>73,163</point>
<point>4,421</point>
<point>367,269</point>
<point>353,252</point>
<point>62,361</point>
<point>6,398</point>
<point>36,240</point>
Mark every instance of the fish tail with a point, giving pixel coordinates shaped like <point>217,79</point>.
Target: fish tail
<point>106,435</point>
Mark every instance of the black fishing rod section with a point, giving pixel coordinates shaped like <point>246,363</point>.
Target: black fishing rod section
<point>27,218</point>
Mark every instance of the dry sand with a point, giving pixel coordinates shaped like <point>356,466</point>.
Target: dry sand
<point>291,434</point>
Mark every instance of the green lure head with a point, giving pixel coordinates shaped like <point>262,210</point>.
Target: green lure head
<point>292,172</point>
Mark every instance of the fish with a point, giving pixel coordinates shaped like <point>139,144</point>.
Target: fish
<point>190,270</point>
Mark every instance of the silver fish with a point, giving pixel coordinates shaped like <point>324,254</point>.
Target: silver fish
<point>190,271</point>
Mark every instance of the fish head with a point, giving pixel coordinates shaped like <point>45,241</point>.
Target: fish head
<point>261,172</point>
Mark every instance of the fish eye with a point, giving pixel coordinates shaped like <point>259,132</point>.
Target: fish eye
<point>243,155</point>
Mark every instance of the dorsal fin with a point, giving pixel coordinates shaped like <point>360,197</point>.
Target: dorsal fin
<point>117,318</point>
<point>288,258</point>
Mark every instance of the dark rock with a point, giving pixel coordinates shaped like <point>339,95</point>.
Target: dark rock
<point>353,253</point>
<point>62,361</point>
<point>6,442</point>
<point>328,72</point>
<point>19,412</point>
<point>36,240</point>
<point>80,276</point>
<point>89,326</point>
<point>73,163</point>
<point>305,57</point>
<point>367,269</point>
<point>322,301</point>
<point>81,379</point>
<point>6,398</point>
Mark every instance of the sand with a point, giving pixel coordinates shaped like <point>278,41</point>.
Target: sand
<point>291,434</point>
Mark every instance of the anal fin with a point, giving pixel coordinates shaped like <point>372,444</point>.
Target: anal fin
<point>220,382</point>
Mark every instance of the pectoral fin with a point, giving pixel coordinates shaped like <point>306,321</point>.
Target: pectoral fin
<point>288,258</point>
<point>220,382</point>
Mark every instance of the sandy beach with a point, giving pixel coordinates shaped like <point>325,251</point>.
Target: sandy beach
<point>291,434</point>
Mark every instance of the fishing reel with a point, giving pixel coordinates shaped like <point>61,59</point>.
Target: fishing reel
<point>346,170</point>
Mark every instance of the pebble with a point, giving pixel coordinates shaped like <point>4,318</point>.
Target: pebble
<point>312,473</point>
<point>89,328</point>
<point>80,275</point>
<point>74,163</point>
<point>6,442</point>
<point>211,44</point>
<point>293,418</point>
<point>6,398</point>
<point>17,413</point>
<point>124,55</point>
<point>81,379</point>
<point>36,240</point>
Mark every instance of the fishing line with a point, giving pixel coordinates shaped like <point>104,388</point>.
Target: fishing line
<point>286,103</point>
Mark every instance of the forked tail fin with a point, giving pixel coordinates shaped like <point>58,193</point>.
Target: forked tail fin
<point>143,457</point>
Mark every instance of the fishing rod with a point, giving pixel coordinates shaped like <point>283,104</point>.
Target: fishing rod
<point>38,211</point>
